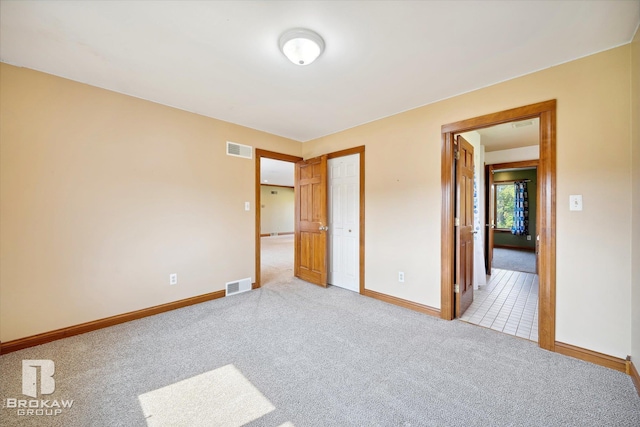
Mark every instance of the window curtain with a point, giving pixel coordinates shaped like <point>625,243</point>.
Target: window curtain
<point>520,210</point>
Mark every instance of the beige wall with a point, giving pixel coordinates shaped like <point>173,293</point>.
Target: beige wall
<point>635,130</point>
<point>277,211</point>
<point>512,155</point>
<point>403,196</point>
<point>104,195</point>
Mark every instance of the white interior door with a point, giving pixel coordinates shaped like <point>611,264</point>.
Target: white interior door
<point>344,222</point>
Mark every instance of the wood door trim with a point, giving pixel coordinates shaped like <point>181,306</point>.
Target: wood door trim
<point>46,337</point>
<point>546,111</point>
<point>514,165</point>
<point>257,203</point>
<point>342,153</point>
<point>347,152</point>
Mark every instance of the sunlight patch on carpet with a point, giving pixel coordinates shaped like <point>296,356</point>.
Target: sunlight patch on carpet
<point>221,397</point>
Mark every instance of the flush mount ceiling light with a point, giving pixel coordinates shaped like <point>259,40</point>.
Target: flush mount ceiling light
<point>301,46</point>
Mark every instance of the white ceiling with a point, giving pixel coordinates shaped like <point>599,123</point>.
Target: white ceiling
<point>506,136</point>
<point>221,58</point>
<point>277,172</point>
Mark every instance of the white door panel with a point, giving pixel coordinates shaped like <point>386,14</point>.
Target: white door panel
<point>344,222</point>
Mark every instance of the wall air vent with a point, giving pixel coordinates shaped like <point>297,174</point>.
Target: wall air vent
<point>239,150</point>
<point>522,124</point>
<point>238,287</point>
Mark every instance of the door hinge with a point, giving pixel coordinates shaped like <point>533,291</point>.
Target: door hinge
<point>456,222</point>
<point>456,154</point>
<point>456,289</point>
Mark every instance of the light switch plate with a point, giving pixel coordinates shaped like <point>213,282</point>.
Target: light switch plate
<point>247,206</point>
<point>575,202</point>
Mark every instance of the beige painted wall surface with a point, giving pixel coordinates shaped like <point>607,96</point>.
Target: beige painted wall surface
<point>403,196</point>
<point>635,130</point>
<point>277,211</point>
<point>104,195</point>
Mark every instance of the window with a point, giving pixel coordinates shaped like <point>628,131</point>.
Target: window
<point>504,203</point>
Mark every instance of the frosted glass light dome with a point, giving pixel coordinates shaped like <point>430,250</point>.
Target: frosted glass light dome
<point>301,46</point>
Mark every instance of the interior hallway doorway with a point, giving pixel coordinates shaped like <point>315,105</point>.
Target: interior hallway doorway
<point>277,259</point>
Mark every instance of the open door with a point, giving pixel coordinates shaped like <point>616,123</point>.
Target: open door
<point>310,221</point>
<point>464,226</point>
<point>490,217</point>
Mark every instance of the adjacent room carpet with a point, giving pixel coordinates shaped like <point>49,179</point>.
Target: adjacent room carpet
<point>294,354</point>
<point>514,260</point>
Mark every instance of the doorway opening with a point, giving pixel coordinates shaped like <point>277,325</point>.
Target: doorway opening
<point>344,263</point>
<point>545,223</point>
<point>275,205</point>
<point>507,301</point>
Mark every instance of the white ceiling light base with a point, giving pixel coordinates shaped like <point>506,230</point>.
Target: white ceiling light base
<point>301,46</point>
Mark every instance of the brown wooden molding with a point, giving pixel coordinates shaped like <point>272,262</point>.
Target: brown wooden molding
<point>288,233</point>
<point>591,356</point>
<point>402,303</point>
<point>447,243</point>
<point>517,248</point>
<point>513,115</point>
<point>21,343</point>
<point>514,165</point>
<point>635,376</point>
<point>275,185</point>
<point>347,152</point>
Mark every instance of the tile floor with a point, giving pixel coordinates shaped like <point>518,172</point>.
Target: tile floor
<point>508,303</point>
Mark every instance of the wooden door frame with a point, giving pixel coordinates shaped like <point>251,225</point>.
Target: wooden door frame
<point>257,203</point>
<point>490,169</point>
<point>546,112</point>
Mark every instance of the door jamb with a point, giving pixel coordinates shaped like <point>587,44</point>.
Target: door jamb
<point>546,112</point>
<point>257,203</point>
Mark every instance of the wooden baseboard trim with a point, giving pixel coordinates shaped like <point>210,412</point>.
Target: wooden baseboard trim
<point>289,233</point>
<point>21,343</point>
<point>635,376</point>
<point>403,303</point>
<point>591,356</point>
<point>517,248</point>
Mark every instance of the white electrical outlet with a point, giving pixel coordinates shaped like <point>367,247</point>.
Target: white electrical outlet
<point>401,276</point>
<point>529,237</point>
<point>173,279</point>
